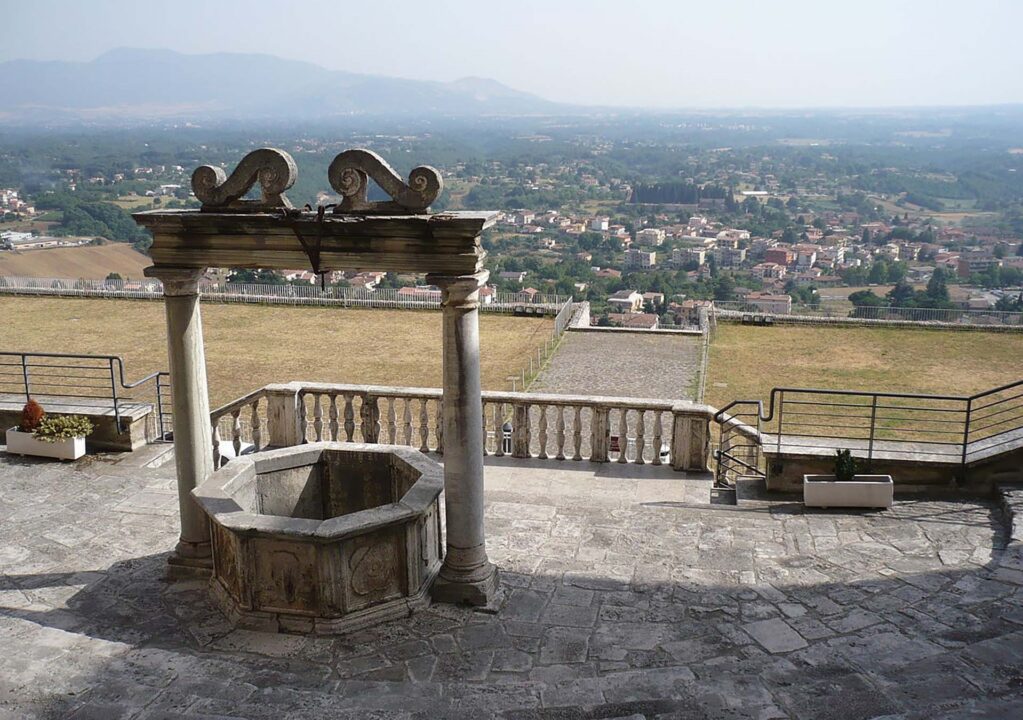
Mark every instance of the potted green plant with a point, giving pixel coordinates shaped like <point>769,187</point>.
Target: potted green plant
<point>846,487</point>
<point>55,436</point>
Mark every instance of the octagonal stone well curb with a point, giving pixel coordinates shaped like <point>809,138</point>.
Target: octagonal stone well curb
<point>325,537</point>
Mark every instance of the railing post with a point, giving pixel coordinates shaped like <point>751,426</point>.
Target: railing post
<point>966,432</point>
<point>600,431</point>
<point>24,374</point>
<point>873,422</point>
<point>690,441</point>
<point>282,416</point>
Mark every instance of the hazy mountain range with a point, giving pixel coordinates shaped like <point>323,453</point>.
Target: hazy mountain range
<point>132,85</point>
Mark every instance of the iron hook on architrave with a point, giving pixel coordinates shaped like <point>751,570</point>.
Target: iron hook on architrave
<point>311,250</point>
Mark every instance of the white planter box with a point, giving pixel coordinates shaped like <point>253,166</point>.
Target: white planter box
<point>22,443</point>
<point>870,491</point>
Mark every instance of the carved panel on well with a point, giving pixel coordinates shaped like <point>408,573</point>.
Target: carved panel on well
<point>375,565</point>
<point>349,175</point>
<point>285,575</point>
<point>227,560</point>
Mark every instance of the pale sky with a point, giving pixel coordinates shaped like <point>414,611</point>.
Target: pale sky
<point>646,53</point>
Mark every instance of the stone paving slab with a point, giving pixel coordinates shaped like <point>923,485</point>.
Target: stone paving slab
<point>624,595</point>
<point>623,365</point>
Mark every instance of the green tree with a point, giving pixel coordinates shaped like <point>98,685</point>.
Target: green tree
<point>937,286</point>
<point>878,272</point>
<point>902,295</point>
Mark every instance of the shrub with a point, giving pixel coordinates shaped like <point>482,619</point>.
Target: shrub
<point>31,415</point>
<point>845,465</point>
<point>63,427</point>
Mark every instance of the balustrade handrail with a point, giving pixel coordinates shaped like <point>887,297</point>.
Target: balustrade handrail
<point>507,397</point>
<point>635,430</point>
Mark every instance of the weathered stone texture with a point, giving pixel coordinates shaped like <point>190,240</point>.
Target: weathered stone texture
<point>624,594</point>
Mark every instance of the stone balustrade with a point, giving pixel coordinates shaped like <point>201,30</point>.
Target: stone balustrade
<point>515,424</point>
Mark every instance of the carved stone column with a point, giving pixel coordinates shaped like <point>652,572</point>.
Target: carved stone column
<point>193,442</point>
<point>467,576</point>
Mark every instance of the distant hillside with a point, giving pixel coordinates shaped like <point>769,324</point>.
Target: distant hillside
<point>130,84</point>
<point>92,262</point>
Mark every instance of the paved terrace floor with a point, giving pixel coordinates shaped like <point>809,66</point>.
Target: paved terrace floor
<point>624,595</point>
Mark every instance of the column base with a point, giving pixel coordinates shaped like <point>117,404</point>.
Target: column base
<point>477,589</point>
<point>190,561</point>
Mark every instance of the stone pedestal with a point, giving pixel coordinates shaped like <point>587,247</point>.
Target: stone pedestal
<point>467,575</point>
<point>193,442</point>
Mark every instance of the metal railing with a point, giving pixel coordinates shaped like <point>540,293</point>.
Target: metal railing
<point>87,380</point>
<point>842,312</point>
<point>355,297</point>
<point>739,441</point>
<point>947,429</point>
<point>529,371</point>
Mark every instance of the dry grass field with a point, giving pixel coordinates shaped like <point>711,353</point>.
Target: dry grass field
<point>746,362</point>
<point>248,346</point>
<point>92,262</point>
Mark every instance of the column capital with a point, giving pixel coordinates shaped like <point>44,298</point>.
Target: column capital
<point>177,281</point>
<point>460,291</point>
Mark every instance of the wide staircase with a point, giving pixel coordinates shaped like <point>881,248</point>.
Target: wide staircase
<point>926,442</point>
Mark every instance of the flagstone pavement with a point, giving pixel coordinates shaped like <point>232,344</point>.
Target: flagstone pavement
<point>624,594</point>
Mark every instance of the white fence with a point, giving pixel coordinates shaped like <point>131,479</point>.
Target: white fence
<point>826,313</point>
<point>150,289</point>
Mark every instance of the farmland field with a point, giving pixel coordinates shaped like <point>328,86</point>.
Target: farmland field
<point>746,362</point>
<point>248,346</point>
<point>92,262</point>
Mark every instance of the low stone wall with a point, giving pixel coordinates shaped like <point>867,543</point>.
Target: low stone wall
<point>134,433</point>
<point>785,473</point>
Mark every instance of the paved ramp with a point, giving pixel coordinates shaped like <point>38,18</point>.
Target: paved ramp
<point>623,365</point>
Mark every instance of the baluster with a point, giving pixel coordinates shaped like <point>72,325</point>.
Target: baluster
<point>521,430</point>
<point>349,418</point>
<point>392,426</point>
<point>424,427</point>
<point>335,427</point>
<point>542,435</point>
<point>407,423</point>
<point>317,417</point>
<point>577,433</point>
<point>257,436</point>
<point>302,416</point>
<point>561,432</point>
<point>499,429</point>
<point>657,437</point>
<point>484,414</point>
<point>216,445</point>
<point>439,426</point>
<point>623,435</point>
<point>640,438</point>
<point>236,432</point>
<point>369,415</point>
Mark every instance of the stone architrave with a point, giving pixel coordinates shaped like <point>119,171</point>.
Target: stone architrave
<point>193,442</point>
<point>467,575</point>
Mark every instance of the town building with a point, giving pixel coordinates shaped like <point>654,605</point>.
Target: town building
<point>626,301</point>
<point>650,237</point>
<point>768,303</point>
<point>635,258</point>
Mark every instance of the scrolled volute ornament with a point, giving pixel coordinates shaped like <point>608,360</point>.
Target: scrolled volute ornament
<point>273,169</point>
<point>349,175</point>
